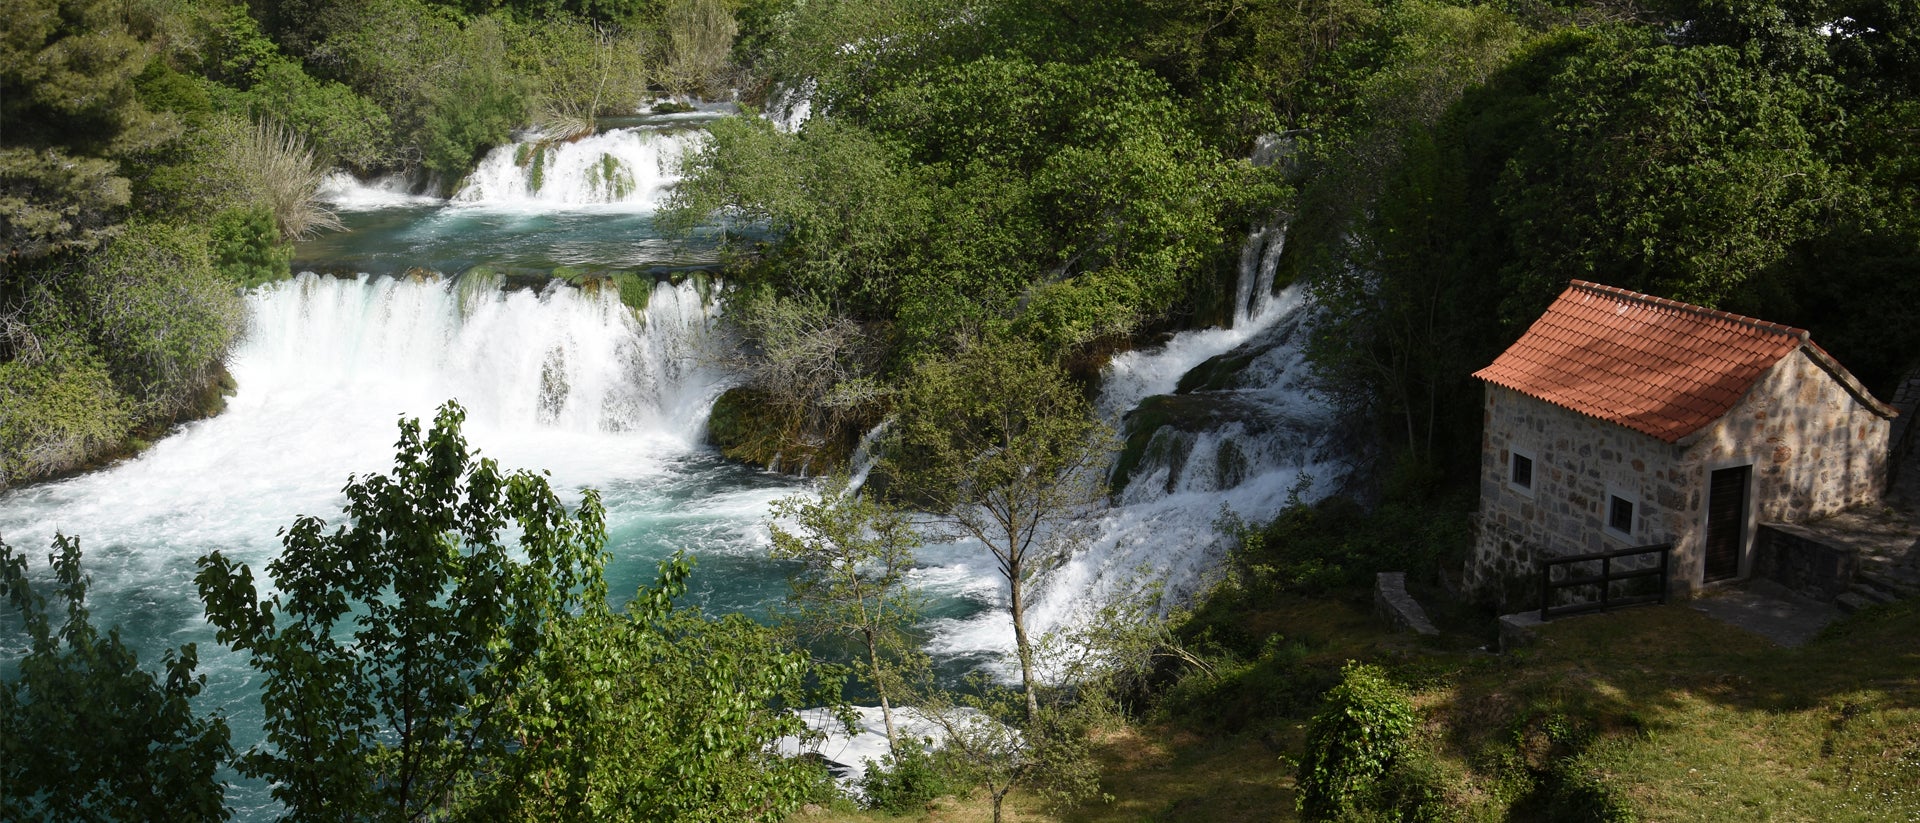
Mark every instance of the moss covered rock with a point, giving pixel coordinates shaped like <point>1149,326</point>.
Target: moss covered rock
<point>748,428</point>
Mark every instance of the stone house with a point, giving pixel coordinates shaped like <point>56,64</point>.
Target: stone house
<point>1620,420</point>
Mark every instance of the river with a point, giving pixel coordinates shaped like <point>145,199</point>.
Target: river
<point>422,300</point>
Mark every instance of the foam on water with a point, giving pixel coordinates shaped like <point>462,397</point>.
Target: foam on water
<point>348,193</point>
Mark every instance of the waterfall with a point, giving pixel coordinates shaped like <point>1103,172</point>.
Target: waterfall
<point>560,379</point>
<point>1246,434</point>
<point>630,167</point>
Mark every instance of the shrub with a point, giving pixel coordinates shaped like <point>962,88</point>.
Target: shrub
<point>246,247</point>
<point>155,307</point>
<point>1579,795</point>
<point>278,170</point>
<point>60,413</point>
<point>904,782</point>
<point>1358,736</point>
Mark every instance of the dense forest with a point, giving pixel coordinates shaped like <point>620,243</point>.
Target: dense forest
<point>960,210</point>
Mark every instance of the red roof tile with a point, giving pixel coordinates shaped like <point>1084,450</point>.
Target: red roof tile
<point>1653,365</point>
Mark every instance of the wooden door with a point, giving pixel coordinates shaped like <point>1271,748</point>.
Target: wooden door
<point>1726,521</point>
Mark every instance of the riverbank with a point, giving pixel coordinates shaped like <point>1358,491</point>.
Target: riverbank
<point>1657,713</point>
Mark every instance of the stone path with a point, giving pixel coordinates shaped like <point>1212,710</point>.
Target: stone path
<point>1768,609</point>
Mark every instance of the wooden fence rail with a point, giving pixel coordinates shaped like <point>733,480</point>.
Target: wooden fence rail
<point>1605,580</point>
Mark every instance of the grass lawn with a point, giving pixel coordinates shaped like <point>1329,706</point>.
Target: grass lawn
<point>1681,718</point>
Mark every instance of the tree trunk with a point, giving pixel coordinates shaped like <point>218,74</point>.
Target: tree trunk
<point>1019,610</point>
<point>886,707</point>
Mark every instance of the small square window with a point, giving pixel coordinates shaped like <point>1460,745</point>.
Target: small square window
<point>1522,474</point>
<point>1620,514</point>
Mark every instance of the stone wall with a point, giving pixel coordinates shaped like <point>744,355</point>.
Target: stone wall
<point>1578,463</point>
<point>1795,559</point>
<point>1815,449</point>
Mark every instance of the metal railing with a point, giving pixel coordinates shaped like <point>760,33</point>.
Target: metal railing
<point>1605,580</point>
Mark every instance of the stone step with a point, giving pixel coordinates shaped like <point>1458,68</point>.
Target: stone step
<point>1850,602</point>
<point>1885,581</point>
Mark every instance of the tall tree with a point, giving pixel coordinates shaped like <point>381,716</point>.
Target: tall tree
<point>86,734</point>
<point>392,646</point>
<point>854,555</point>
<point>1000,443</point>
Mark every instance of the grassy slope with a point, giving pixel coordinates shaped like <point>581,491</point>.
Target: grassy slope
<point>1686,718</point>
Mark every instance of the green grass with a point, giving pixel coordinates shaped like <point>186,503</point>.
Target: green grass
<point>1678,717</point>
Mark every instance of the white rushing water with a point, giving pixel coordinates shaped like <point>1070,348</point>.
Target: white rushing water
<point>348,193</point>
<point>628,167</point>
<point>560,379</point>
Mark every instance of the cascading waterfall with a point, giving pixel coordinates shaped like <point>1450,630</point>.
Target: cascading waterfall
<point>1247,440</point>
<point>628,167</point>
<point>560,379</point>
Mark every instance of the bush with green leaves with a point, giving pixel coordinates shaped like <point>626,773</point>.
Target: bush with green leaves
<point>62,409</point>
<point>162,317</point>
<point>904,781</point>
<point>1363,729</point>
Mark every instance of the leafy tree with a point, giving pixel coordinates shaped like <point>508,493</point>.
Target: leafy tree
<point>414,667</point>
<point>86,734</point>
<point>68,67</point>
<point>579,71</point>
<point>246,247</point>
<point>52,201</point>
<point>839,199</point>
<point>1679,171</point>
<point>851,585</point>
<point>61,407</point>
<point>1000,444</point>
<point>393,646</point>
<point>994,738</point>
<point>153,304</point>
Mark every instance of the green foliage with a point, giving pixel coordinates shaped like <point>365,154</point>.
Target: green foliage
<point>1337,543</point>
<point>341,126</point>
<point>69,67</point>
<point>414,665</point>
<point>393,646</point>
<point>246,247</point>
<point>836,196</point>
<point>52,201</point>
<point>475,104</point>
<point>851,587</point>
<point>160,314</point>
<point>1353,742</point>
<point>1580,795</point>
<point>1077,199</point>
<point>86,734</point>
<point>904,781</point>
<point>1722,173</point>
<point>62,409</point>
<point>660,714</point>
<point>579,71</point>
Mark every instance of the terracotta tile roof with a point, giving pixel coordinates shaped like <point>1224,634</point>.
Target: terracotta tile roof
<point>1653,365</point>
